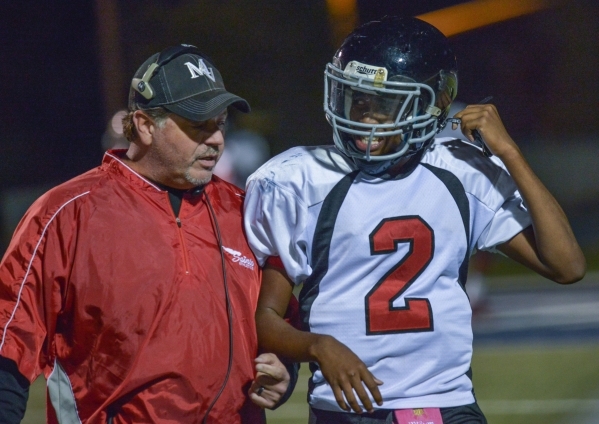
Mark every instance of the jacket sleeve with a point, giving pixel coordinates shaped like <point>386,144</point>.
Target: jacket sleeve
<point>33,276</point>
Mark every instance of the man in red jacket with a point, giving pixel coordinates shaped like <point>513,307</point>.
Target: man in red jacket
<point>132,287</point>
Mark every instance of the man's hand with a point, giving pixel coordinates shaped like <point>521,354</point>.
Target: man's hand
<point>271,381</point>
<point>347,375</point>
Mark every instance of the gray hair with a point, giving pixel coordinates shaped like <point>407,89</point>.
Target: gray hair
<point>157,114</point>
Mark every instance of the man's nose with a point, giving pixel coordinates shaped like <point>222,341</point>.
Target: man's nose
<point>216,136</point>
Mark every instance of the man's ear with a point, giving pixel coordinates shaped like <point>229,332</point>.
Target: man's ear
<point>145,127</point>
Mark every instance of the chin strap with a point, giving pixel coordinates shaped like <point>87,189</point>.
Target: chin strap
<point>380,169</point>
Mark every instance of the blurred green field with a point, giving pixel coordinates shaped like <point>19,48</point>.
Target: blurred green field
<point>515,384</point>
<point>518,384</point>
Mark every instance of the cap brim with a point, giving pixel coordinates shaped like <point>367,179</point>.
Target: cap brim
<point>206,106</point>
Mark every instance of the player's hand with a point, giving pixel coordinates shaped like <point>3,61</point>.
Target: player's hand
<point>347,375</point>
<point>271,381</point>
<point>485,119</point>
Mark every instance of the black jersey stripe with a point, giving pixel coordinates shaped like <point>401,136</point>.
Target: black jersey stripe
<point>321,245</point>
<point>457,191</point>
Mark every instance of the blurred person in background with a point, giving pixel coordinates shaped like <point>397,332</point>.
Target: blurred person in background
<point>244,152</point>
<point>379,229</point>
<point>132,287</point>
<point>113,137</point>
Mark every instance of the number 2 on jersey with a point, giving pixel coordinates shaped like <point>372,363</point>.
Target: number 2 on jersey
<point>381,316</point>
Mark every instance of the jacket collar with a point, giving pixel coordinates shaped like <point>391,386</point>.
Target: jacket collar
<point>113,162</point>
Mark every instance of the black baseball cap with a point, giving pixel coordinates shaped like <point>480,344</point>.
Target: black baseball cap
<point>184,81</point>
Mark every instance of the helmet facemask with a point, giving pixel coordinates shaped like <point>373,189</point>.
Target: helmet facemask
<point>375,119</point>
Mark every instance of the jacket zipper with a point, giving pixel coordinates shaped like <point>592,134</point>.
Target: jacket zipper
<point>183,248</point>
<point>180,233</point>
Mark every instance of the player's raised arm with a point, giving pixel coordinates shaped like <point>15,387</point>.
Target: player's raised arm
<point>342,369</point>
<point>548,246</point>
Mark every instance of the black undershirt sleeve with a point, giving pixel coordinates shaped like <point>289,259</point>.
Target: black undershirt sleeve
<point>14,392</point>
<point>293,370</point>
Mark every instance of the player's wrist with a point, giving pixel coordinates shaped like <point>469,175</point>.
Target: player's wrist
<point>508,151</point>
<point>319,347</point>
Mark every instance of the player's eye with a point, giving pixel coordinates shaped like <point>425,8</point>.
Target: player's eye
<point>361,100</point>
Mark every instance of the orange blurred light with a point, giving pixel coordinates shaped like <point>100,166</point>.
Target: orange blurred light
<point>475,14</point>
<point>343,16</point>
<point>341,7</point>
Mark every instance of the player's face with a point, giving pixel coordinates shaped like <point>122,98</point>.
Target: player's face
<point>375,109</point>
<point>187,151</point>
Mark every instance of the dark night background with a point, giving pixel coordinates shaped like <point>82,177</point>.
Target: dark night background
<point>59,89</point>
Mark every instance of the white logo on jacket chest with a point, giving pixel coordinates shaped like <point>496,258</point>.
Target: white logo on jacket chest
<point>239,258</point>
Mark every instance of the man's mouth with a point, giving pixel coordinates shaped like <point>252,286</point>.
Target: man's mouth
<point>207,161</point>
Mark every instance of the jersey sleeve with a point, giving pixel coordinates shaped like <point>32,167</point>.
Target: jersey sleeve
<point>275,220</point>
<point>33,274</point>
<point>510,215</point>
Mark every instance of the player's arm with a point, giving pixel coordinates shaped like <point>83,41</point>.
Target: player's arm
<point>342,369</point>
<point>548,246</point>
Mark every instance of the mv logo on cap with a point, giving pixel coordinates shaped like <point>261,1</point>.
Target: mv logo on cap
<point>201,69</point>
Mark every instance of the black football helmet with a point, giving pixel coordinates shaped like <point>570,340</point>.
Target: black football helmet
<point>395,77</point>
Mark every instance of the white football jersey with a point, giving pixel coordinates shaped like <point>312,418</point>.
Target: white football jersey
<point>384,262</point>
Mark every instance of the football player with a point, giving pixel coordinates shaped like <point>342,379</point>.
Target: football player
<point>380,226</point>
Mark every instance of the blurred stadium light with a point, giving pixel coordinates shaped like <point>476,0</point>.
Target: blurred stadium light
<point>453,20</point>
<point>343,18</point>
<point>475,14</point>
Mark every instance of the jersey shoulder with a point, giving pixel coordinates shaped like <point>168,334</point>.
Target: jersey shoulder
<point>464,160</point>
<point>307,172</point>
<point>302,160</point>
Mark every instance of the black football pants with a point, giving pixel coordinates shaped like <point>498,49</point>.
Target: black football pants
<point>467,414</point>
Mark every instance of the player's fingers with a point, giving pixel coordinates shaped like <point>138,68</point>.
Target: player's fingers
<point>468,120</point>
<point>348,391</point>
<point>338,393</point>
<point>363,396</point>
<point>469,113</point>
<point>373,383</point>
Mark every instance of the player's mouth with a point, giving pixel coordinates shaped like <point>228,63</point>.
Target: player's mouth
<point>376,144</point>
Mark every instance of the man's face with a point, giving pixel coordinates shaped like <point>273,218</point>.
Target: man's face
<point>375,109</point>
<point>186,152</point>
